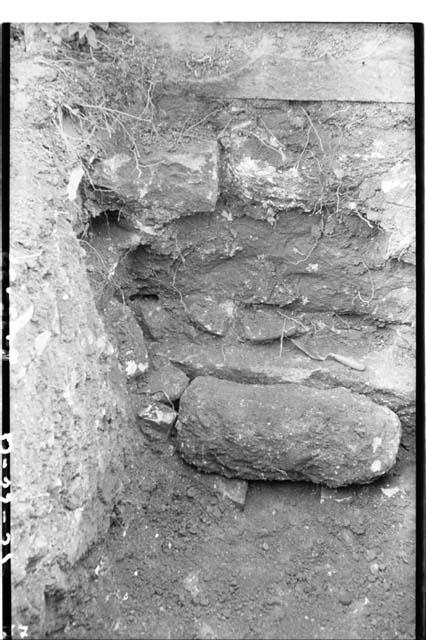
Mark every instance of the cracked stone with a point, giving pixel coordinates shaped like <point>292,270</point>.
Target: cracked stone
<point>158,416</point>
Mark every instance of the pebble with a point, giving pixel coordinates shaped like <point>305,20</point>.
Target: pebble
<point>348,537</point>
<point>374,569</point>
<point>345,598</point>
<point>370,554</point>
<point>357,524</point>
<point>204,601</point>
<point>239,530</point>
<point>358,528</point>
<point>191,492</point>
<point>273,601</point>
<point>265,546</point>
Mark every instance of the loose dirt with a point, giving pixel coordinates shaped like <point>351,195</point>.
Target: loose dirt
<point>298,562</point>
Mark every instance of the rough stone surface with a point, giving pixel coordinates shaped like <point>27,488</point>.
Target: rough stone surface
<point>166,382</point>
<point>287,432</point>
<point>266,325</point>
<point>392,206</point>
<point>151,316</point>
<point>264,165</point>
<point>173,182</point>
<point>388,379</point>
<point>105,250</point>
<point>211,315</point>
<point>128,336</point>
<point>158,416</point>
<point>293,263</point>
<point>259,167</point>
<point>230,489</point>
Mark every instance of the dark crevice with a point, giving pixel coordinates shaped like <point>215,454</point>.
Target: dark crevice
<point>144,296</point>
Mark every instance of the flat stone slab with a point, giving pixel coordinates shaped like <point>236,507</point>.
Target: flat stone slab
<point>389,377</point>
<point>184,183</point>
<point>285,432</point>
<point>288,61</point>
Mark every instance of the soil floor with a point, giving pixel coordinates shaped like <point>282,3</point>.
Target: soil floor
<point>298,561</point>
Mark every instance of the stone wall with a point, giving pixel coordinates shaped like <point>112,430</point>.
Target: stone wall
<point>293,218</point>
